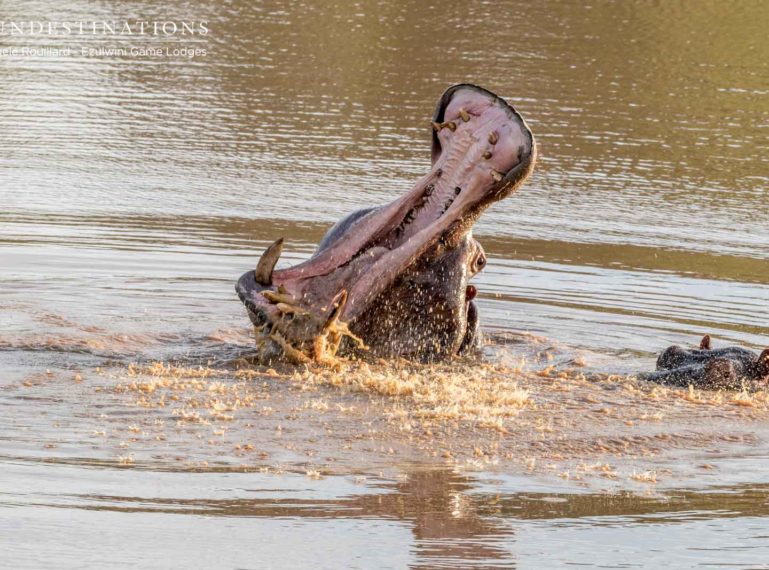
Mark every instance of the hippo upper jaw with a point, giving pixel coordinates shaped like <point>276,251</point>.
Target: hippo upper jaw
<point>482,151</point>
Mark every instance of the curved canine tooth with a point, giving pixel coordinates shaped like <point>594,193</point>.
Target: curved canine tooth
<point>493,137</point>
<point>464,114</point>
<point>336,312</point>
<point>437,127</point>
<point>263,271</point>
<point>496,175</point>
<point>705,342</point>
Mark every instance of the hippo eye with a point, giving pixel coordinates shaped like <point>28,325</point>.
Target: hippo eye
<point>480,263</point>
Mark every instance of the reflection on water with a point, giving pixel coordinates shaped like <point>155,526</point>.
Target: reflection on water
<point>135,190</point>
<point>428,519</point>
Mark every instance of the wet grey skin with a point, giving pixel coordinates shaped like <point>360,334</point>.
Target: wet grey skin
<point>429,311</point>
<point>396,277</point>
<point>728,368</point>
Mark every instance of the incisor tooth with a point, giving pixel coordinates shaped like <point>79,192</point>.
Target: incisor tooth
<point>291,309</point>
<point>274,297</point>
<point>451,125</point>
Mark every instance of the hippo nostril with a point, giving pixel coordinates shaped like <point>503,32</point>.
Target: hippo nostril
<point>470,292</point>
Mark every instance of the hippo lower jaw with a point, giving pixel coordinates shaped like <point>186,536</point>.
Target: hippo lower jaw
<point>482,151</point>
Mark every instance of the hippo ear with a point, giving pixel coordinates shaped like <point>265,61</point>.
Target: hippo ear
<point>705,343</point>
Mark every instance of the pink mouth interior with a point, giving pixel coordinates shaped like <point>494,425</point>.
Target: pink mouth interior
<point>468,166</point>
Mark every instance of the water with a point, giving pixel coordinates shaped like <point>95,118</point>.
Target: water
<point>135,190</point>
<point>436,519</point>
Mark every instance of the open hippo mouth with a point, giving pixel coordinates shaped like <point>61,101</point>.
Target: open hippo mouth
<point>383,271</point>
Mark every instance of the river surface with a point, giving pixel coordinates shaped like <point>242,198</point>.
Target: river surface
<point>135,189</point>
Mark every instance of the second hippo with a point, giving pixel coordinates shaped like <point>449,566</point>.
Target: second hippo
<point>728,368</point>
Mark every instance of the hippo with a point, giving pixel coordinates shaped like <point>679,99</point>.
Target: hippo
<point>393,280</point>
<point>728,368</point>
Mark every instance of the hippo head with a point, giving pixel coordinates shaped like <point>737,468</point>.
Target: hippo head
<point>731,367</point>
<point>394,279</point>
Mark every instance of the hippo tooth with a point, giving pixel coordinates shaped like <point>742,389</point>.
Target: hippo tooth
<point>493,137</point>
<point>429,189</point>
<point>293,354</point>
<point>705,343</point>
<point>448,124</point>
<point>336,312</point>
<point>263,271</point>
<point>290,309</point>
<point>497,176</point>
<point>486,155</point>
<point>274,297</point>
<point>464,114</point>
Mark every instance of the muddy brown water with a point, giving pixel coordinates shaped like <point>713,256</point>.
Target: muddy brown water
<point>136,189</point>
